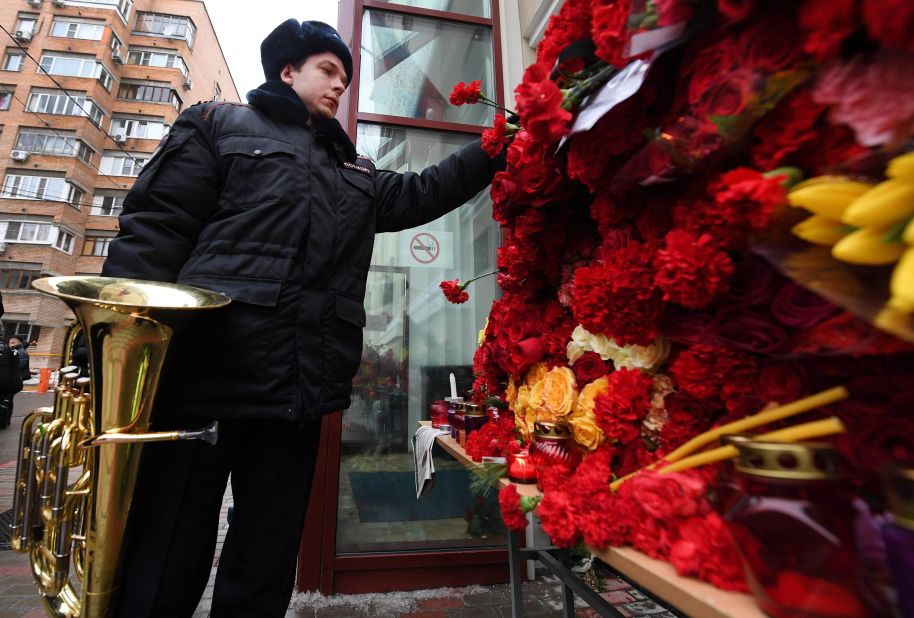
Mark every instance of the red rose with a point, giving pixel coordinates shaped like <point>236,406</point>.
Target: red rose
<point>707,68</point>
<point>588,368</point>
<point>525,354</point>
<point>781,383</point>
<point>796,306</point>
<point>890,22</point>
<point>736,10</point>
<point>505,188</point>
<point>727,97</point>
<point>672,12</point>
<point>770,44</point>
<point>664,496</point>
<point>454,291</point>
<point>826,25</point>
<point>750,330</point>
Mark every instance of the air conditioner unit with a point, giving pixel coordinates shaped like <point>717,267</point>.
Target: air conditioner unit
<point>23,36</point>
<point>2,248</point>
<point>120,139</point>
<point>19,155</point>
<point>117,58</point>
<point>59,3</point>
<point>187,84</point>
<point>35,3</point>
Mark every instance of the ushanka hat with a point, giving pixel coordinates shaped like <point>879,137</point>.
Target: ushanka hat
<point>292,41</point>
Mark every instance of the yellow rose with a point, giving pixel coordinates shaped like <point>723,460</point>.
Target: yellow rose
<point>511,392</point>
<point>535,398</point>
<point>522,401</point>
<point>559,392</point>
<point>536,373</point>
<point>585,431</point>
<point>588,394</point>
<point>524,428</point>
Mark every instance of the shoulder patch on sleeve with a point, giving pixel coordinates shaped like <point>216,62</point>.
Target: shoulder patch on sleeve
<point>360,167</point>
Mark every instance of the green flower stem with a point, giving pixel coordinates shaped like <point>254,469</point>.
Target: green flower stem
<point>463,285</point>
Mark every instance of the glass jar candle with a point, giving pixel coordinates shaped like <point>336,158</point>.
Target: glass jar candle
<point>458,423</point>
<point>794,528</point>
<point>520,468</point>
<point>475,417</point>
<point>452,412</point>
<point>726,488</point>
<point>899,534</point>
<point>437,412</point>
<point>553,445</point>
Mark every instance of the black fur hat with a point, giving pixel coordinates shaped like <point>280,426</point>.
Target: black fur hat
<point>292,41</point>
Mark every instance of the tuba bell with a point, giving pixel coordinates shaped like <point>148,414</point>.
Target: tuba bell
<point>78,460</point>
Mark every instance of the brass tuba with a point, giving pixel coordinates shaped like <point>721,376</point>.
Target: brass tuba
<point>78,461</point>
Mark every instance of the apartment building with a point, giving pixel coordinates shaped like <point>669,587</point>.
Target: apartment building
<point>87,90</point>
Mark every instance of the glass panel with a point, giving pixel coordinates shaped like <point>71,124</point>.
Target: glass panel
<point>410,65</point>
<point>412,341</point>
<point>477,8</point>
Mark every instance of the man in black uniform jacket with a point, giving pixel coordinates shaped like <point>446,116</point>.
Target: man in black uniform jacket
<point>268,203</point>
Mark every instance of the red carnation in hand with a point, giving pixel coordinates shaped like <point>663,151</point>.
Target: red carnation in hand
<point>495,139</point>
<point>454,291</point>
<point>691,269</point>
<point>466,93</point>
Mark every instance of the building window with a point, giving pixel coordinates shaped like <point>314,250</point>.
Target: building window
<point>153,92</point>
<point>410,64</point>
<point>74,65</point>
<point>28,231</point>
<point>6,96</point>
<point>22,330</point>
<point>14,60</point>
<point>115,45</point>
<point>64,241</point>
<point>75,196</point>
<point>108,203</point>
<point>144,127</point>
<point>96,244</point>
<point>26,26</point>
<point>217,92</point>
<point>18,278</point>
<point>104,76</point>
<point>34,186</point>
<point>157,58</point>
<point>78,29</point>
<point>122,164</point>
<point>62,143</point>
<point>173,26</point>
<point>57,102</point>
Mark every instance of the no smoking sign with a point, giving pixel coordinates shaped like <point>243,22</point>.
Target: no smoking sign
<point>427,249</point>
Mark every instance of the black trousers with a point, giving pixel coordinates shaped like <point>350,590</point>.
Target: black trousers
<point>175,519</point>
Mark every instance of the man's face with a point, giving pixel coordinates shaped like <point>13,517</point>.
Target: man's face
<point>14,341</point>
<point>319,83</point>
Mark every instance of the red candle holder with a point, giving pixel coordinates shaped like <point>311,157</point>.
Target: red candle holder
<point>520,468</point>
<point>794,528</point>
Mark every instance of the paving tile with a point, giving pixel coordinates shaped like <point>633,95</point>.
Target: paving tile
<point>486,611</point>
<point>486,598</point>
<point>439,613</point>
<point>440,603</point>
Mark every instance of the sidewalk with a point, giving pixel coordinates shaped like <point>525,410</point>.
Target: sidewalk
<point>19,597</point>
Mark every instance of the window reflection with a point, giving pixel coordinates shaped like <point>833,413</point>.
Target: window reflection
<point>410,65</point>
<point>413,339</point>
<point>476,8</point>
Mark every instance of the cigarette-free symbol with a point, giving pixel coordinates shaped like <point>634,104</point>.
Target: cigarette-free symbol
<point>424,248</point>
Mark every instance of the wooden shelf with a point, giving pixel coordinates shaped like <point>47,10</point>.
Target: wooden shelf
<point>691,596</point>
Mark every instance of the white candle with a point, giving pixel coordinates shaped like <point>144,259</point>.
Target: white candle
<point>453,387</point>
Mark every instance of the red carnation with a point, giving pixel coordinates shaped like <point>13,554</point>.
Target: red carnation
<point>756,195</point>
<point>692,270</point>
<point>624,405</point>
<point>618,296</point>
<point>494,139</point>
<point>558,515</point>
<point>710,371</point>
<point>454,291</point>
<point>466,93</point>
<point>511,513</point>
<point>610,33</point>
<point>539,105</point>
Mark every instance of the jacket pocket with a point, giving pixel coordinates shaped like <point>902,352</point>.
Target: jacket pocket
<point>357,195</point>
<point>256,169</point>
<point>346,351</point>
<point>259,292</point>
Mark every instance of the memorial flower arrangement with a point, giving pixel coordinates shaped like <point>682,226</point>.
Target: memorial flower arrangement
<point>652,288</point>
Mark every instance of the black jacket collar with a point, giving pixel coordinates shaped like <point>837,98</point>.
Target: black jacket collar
<point>279,101</point>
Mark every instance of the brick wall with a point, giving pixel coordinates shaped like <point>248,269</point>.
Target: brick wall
<point>206,66</point>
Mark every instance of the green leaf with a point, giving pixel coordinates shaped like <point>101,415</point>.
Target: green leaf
<point>897,231</point>
<point>486,478</point>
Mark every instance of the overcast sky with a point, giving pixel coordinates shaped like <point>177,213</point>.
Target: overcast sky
<point>242,26</point>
